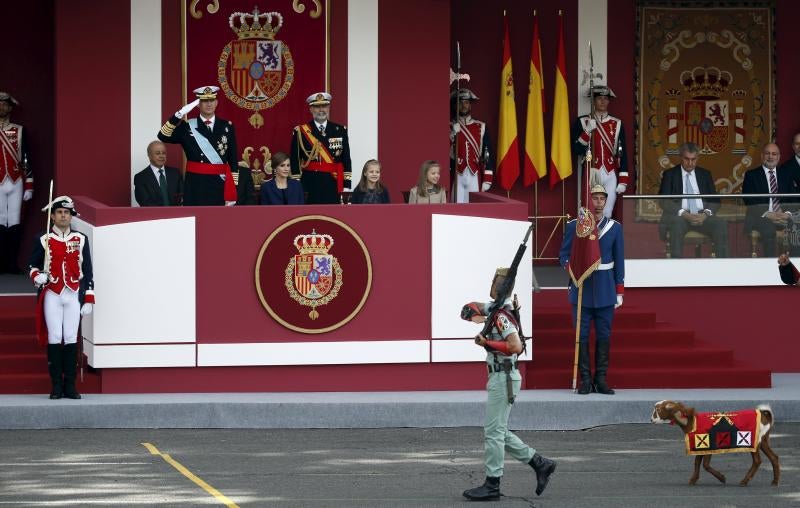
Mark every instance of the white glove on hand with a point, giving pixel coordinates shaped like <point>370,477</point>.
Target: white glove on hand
<point>621,188</point>
<point>182,112</point>
<point>27,195</point>
<point>619,302</point>
<point>485,186</point>
<point>86,309</point>
<point>457,128</point>
<point>230,203</point>
<point>590,125</point>
<point>40,279</point>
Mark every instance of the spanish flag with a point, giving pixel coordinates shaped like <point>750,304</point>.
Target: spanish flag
<point>507,141</point>
<point>535,163</point>
<point>560,153</point>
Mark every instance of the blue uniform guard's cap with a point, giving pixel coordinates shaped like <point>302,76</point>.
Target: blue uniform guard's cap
<point>599,189</point>
<point>206,93</point>
<point>319,99</point>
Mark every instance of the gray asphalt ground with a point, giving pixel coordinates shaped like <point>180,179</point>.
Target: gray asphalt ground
<point>616,466</point>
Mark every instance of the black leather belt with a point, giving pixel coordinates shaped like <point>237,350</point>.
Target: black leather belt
<point>499,367</point>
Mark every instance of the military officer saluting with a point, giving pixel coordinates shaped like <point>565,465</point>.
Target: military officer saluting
<point>16,184</point>
<point>209,143</point>
<point>320,153</point>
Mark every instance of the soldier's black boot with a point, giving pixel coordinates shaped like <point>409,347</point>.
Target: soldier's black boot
<point>5,248</point>
<point>584,369</point>
<point>601,367</point>
<point>54,368</point>
<point>12,241</point>
<point>70,370</point>
<point>544,467</point>
<point>489,491</point>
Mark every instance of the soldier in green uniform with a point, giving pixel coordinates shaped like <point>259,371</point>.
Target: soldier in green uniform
<point>502,344</point>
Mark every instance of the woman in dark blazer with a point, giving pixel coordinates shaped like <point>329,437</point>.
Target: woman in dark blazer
<point>281,190</point>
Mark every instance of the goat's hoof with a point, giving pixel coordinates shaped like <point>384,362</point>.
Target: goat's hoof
<point>692,482</point>
<point>775,483</point>
<point>722,479</point>
<point>743,483</point>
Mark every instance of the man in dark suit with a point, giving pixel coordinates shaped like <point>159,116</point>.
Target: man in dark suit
<point>792,167</point>
<point>683,215</point>
<point>209,143</point>
<point>766,215</point>
<point>320,153</point>
<point>157,184</point>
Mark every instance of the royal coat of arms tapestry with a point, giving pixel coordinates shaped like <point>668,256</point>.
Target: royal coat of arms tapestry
<point>705,75</point>
<point>266,57</point>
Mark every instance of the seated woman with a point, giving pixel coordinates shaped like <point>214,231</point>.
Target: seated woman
<point>428,191</point>
<point>370,190</point>
<point>281,190</point>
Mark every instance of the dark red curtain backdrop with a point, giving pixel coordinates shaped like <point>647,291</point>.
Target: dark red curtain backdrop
<point>29,54</point>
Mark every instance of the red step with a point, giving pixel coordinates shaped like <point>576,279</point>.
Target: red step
<point>17,343</point>
<point>677,377</point>
<point>23,362</point>
<point>39,382</point>
<point>556,317</point>
<point>659,336</point>
<point>625,358</point>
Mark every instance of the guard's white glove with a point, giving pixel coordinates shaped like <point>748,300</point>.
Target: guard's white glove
<point>621,187</point>
<point>590,125</point>
<point>456,127</point>
<point>619,302</point>
<point>230,203</point>
<point>27,195</point>
<point>40,279</point>
<point>86,309</point>
<point>485,186</point>
<point>184,110</point>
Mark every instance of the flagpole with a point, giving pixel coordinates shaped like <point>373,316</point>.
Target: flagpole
<point>536,192</point>
<point>577,340</point>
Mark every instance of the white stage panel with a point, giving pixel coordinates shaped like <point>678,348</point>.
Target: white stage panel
<point>464,350</point>
<point>145,355</point>
<point>465,253</point>
<point>642,273</point>
<point>144,275</point>
<point>313,353</point>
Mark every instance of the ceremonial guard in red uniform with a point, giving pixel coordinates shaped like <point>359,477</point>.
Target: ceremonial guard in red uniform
<point>209,143</point>
<point>609,165</point>
<point>471,160</point>
<point>320,154</point>
<point>16,184</point>
<point>61,268</point>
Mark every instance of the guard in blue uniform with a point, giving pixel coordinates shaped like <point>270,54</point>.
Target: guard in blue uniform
<point>602,293</point>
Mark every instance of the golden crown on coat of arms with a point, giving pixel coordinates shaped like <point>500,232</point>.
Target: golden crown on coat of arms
<point>256,25</point>
<point>313,243</point>
<point>706,82</point>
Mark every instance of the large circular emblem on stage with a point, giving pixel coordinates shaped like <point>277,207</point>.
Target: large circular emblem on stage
<point>313,274</point>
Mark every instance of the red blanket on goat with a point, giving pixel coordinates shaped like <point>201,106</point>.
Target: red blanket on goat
<point>724,432</point>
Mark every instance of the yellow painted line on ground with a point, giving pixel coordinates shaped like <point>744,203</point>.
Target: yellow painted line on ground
<point>188,474</point>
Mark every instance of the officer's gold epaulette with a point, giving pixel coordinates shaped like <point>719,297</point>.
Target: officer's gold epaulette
<point>168,128</point>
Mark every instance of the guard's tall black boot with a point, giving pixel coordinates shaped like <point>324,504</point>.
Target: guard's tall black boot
<point>5,248</point>
<point>70,370</point>
<point>584,369</point>
<point>489,491</point>
<point>54,362</point>
<point>544,467</point>
<point>601,367</point>
<point>12,241</point>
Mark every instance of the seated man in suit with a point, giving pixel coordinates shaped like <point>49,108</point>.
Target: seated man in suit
<point>792,167</point>
<point>765,215</point>
<point>684,215</point>
<point>158,185</point>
